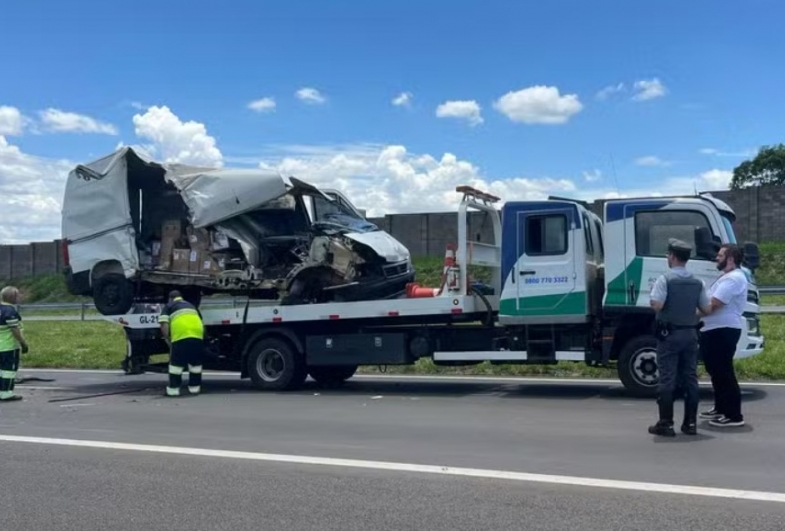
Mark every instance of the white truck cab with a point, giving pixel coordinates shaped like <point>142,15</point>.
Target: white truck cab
<point>563,265</point>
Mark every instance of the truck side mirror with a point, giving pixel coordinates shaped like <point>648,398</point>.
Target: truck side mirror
<point>751,256</point>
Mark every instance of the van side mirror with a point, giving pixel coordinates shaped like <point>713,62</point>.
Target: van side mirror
<point>751,256</point>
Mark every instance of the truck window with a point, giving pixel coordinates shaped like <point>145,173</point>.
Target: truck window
<point>587,235</point>
<point>654,229</point>
<point>546,235</point>
<point>598,226</point>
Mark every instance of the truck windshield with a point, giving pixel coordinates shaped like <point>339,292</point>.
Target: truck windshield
<point>726,221</point>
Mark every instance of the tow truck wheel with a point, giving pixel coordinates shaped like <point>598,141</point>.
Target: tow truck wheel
<point>332,374</point>
<point>637,366</point>
<point>274,365</point>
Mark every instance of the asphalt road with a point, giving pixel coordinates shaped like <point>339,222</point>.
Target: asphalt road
<point>575,430</point>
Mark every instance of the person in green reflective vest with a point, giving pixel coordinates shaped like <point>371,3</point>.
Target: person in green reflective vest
<point>12,342</point>
<point>183,330</point>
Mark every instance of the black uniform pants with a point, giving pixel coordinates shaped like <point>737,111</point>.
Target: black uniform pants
<point>9,365</point>
<point>185,353</point>
<point>677,361</point>
<point>718,347</point>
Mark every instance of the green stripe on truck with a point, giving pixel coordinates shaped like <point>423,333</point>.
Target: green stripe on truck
<point>560,304</point>
<point>618,288</point>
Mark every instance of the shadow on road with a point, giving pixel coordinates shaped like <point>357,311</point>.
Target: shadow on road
<point>154,386</point>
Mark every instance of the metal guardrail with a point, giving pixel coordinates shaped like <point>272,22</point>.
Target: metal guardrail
<point>771,290</point>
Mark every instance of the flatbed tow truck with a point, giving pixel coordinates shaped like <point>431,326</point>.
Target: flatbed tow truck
<point>564,285</point>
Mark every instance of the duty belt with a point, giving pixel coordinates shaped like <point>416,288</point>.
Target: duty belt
<point>663,329</point>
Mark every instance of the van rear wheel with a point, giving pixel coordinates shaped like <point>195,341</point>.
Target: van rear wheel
<point>113,294</point>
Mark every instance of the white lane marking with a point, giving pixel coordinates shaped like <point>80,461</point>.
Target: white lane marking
<point>408,467</point>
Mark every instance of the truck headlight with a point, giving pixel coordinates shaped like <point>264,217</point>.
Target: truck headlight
<point>753,326</point>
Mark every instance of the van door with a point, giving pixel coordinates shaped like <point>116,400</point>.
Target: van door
<point>96,218</point>
<point>549,245</point>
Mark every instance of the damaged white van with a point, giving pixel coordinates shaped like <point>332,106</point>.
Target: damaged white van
<point>133,229</point>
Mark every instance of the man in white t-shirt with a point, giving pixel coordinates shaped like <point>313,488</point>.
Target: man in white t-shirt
<point>720,335</point>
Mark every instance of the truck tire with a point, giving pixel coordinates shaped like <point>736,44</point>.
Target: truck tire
<point>330,375</point>
<point>275,366</point>
<point>113,294</point>
<point>637,366</point>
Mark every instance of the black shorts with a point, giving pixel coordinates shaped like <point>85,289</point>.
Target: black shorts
<point>187,352</point>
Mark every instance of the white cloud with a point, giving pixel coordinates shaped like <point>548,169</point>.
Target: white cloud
<point>262,105</point>
<point>468,110</point>
<point>648,89</point>
<point>716,179</point>
<point>539,105</point>
<point>404,99</point>
<point>310,95</point>
<point>12,121</point>
<point>382,179</point>
<point>592,176</point>
<point>389,179</point>
<point>31,191</point>
<point>59,121</point>
<point>652,161</point>
<point>610,90</point>
<point>735,154</point>
<point>175,140</point>
<point>708,181</point>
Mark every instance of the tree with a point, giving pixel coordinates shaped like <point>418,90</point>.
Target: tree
<point>767,168</point>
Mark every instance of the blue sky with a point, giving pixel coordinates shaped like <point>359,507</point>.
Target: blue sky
<point>707,70</point>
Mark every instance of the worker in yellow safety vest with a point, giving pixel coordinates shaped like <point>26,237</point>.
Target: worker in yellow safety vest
<point>12,342</point>
<point>183,330</point>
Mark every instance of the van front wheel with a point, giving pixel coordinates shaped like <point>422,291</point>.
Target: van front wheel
<point>113,294</point>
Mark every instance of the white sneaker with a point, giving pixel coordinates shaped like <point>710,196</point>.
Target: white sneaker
<point>725,422</point>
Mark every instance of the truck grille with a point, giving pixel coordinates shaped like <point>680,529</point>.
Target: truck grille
<point>395,270</point>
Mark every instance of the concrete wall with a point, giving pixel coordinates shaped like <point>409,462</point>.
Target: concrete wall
<point>760,212</point>
<point>38,258</point>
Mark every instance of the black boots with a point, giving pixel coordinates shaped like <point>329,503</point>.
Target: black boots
<point>690,424</point>
<point>664,427</point>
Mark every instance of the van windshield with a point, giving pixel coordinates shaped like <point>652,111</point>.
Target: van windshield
<point>337,214</point>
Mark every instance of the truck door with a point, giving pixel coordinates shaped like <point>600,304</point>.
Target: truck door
<point>546,271</point>
<point>645,228</point>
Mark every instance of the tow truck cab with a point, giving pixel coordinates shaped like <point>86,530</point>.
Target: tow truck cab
<point>576,280</point>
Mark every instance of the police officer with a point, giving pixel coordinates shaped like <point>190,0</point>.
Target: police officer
<point>12,342</point>
<point>183,330</point>
<point>676,297</point>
